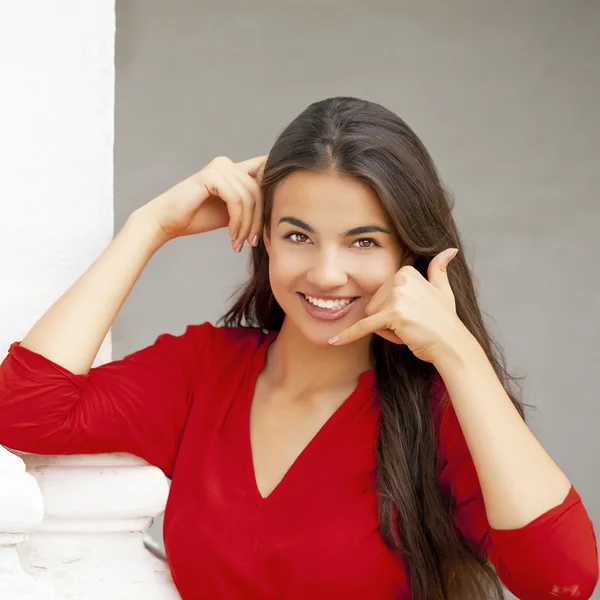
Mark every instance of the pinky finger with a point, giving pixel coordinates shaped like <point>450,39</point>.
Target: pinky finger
<point>257,221</point>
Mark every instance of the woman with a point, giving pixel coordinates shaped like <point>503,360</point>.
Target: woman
<point>357,438</point>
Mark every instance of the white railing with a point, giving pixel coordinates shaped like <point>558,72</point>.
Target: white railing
<point>72,527</point>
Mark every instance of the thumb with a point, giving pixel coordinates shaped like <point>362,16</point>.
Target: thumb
<point>437,273</point>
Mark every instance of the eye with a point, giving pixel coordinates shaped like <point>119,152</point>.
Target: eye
<point>297,237</point>
<point>365,243</point>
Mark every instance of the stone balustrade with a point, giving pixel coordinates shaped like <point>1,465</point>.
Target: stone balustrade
<point>72,527</point>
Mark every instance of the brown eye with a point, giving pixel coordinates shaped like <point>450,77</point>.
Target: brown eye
<point>366,243</point>
<point>297,237</point>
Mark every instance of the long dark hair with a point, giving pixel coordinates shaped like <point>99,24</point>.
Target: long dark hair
<point>366,141</point>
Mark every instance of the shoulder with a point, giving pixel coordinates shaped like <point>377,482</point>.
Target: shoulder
<point>225,343</point>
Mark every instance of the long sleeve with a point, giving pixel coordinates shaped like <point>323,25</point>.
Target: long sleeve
<point>138,404</point>
<point>554,556</point>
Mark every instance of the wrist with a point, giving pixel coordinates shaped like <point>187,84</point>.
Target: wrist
<point>147,226</point>
<point>461,351</point>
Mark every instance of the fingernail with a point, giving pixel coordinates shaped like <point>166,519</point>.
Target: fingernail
<point>335,339</point>
<point>454,253</point>
<point>235,235</point>
<point>255,240</point>
<point>239,248</point>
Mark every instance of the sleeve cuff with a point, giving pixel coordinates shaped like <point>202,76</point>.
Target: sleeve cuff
<point>539,525</point>
<point>36,364</point>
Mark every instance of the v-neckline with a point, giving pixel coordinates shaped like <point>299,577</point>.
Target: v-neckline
<point>366,380</point>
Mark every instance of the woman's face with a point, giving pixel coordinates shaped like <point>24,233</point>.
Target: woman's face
<point>330,249</point>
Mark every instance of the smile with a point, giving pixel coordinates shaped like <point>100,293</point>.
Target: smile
<point>328,302</point>
<point>327,309</point>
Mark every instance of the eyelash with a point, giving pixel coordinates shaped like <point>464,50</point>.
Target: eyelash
<point>297,233</point>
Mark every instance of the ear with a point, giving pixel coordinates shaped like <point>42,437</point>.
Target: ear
<point>407,258</point>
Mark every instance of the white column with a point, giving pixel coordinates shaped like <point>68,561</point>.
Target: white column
<point>56,216</point>
<point>56,152</point>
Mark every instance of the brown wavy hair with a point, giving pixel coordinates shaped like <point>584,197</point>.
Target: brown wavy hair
<point>364,140</point>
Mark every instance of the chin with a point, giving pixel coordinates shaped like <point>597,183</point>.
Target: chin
<point>320,336</point>
<point>318,332</point>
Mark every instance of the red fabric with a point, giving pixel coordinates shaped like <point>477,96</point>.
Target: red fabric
<point>183,405</point>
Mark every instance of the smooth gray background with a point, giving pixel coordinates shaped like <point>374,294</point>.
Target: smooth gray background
<point>505,94</point>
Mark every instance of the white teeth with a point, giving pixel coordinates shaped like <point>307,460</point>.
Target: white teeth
<point>330,304</point>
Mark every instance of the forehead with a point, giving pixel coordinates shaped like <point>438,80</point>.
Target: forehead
<point>327,198</point>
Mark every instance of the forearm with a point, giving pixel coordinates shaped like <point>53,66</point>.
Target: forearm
<point>518,479</point>
<point>71,331</point>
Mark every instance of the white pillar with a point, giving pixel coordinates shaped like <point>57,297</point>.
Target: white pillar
<point>56,216</point>
<point>56,152</point>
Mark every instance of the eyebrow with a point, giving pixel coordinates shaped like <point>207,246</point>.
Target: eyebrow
<point>349,233</point>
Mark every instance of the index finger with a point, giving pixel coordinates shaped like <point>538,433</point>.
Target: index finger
<point>253,165</point>
<point>358,330</point>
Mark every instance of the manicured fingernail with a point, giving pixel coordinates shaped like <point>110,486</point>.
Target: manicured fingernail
<point>453,253</point>
<point>255,240</point>
<point>335,339</point>
<point>239,248</point>
<point>235,235</point>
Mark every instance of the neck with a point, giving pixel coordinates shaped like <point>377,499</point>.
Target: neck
<point>295,363</point>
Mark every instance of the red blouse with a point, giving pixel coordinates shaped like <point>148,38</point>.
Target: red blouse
<point>183,405</point>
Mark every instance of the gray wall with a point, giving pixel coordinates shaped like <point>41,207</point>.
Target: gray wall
<point>505,95</point>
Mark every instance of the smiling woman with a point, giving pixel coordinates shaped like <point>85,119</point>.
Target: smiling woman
<point>350,432</point>
<point>345,168</point>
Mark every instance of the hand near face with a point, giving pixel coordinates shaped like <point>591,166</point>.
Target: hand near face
<point>409,309</point>
<point>222,194</point>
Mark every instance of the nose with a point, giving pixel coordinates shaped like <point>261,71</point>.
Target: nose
<point>327,272</point>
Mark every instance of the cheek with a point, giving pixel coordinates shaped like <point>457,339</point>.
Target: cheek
<point>370,275</point>
<point>285,266</point>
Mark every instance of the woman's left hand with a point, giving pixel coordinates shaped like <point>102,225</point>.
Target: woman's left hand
<point>409,309</point>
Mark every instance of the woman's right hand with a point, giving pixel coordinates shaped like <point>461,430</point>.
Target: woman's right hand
<point>222,194</point>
